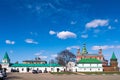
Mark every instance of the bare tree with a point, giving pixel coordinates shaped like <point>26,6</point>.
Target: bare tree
<point>64,57</point>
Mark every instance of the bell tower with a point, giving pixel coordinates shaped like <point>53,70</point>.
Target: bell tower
<point>6,61</point>
<point>113,62</point>
<point>84,50</point>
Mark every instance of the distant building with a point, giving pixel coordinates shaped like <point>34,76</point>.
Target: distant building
<point>84,55</point>
<point>85,63</point>
<point>29,65</point>
<point>36,61</point>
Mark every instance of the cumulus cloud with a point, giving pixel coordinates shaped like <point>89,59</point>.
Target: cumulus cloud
<point>54,55</point>
<point>66,34</point>
<point>73,47</point>
<point>96,23</point>
<point>31,41</point>
<point>9,42</point>
<point>105,47</point>
<point>84,35</point>
<point>52,32</point>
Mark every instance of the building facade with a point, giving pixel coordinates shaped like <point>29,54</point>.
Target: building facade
<point>28,66</point>
<point>89,65</point>
<point>84,55</point>
<point>85,63</point>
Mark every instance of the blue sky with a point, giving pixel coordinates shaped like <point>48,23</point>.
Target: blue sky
<point>46,27</point>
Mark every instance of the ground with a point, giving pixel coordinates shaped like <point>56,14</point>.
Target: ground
<point>48,76</point>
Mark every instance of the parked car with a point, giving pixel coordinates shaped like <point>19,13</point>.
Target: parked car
<point>39,71</point>
<point>34,71</point>
<point>2,75</point>
<point>45,71</point>
<point>14,70</point>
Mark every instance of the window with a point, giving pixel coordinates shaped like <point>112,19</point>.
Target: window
<point>22,69</point>
<point>90,69</point>
<point>37,69</point>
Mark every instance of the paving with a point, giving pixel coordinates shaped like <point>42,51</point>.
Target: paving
<point>48,76</point>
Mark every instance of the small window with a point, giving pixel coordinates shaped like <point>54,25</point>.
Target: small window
<point>37,69</point>
<point>90,69</point>
<point>22,69</point>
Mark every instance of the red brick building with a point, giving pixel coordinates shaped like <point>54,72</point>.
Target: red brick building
<point>113,64</point>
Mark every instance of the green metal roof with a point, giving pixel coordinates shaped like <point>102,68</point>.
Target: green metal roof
<point>113,56</point>
<point>35,65</point>
<point>6,56</point>
<point>88,60</point>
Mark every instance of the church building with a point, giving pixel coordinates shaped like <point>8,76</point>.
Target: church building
<point>84,55</point>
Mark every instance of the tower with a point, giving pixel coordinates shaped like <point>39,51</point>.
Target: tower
<point>78,52</point>
<point>113,62</point>
<point>100,51</point>
<point>84,50</point>
<point>6,61</point>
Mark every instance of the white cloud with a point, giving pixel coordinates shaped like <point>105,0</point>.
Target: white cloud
<point>84,35</point>
<point>11,51</point>
<point>73,47</point>
<point>43,57</point>
<point>105,47</point>
<point>116,20</point>
<point>39,53</point>
<point>118,47</point>
<point>54,55</point>
<point>109,27</point>
<point>52,6</point>
<point>73,22</point>
<point>96,23</point>
<point>31,41</point>
<point>52,32</point>
<point>66,34</point>
<point>9,42</point>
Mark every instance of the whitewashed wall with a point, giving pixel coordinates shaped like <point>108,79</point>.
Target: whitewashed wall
<point>88,68</point>
<point>49,69</point>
